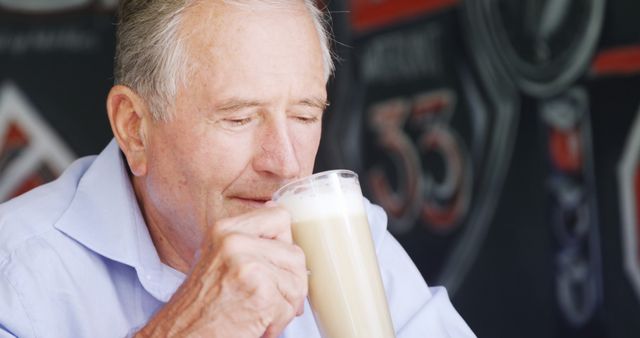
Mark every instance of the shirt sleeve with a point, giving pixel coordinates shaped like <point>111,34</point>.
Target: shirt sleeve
<point>14,321</point>
<point>417,311</point>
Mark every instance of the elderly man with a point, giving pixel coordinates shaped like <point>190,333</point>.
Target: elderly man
<point>170,231</point>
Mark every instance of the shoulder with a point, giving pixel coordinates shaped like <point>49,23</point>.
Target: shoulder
<point>394,260</point>
<point>377,222</point>
<point>34,213</point>
<point>416,309</point>
<point>37,261</point>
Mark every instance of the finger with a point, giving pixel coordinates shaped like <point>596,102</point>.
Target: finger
<point>285,263</point>
<point>290,271</point>
<point>283,272</point>
<point>282,318</point>
<point>277,223</point>
<point>270,222</point>
<point>285,256</point>
<point>300,310</point>
<point>278,269</point>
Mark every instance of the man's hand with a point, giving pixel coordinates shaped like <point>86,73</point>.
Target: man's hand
<point>249,281</point>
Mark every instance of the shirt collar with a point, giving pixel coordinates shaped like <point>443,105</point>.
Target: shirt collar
<point>104,216</point>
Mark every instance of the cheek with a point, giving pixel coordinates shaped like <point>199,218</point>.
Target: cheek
<point>182,162</point>
<point>170,169</point>
<point>307,141</point>
<point>226,158</point>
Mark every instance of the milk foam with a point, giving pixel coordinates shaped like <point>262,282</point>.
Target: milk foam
<point>333,197</point>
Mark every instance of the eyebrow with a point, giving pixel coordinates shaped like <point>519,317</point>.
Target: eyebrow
<point>235,104</point>
<point>313,103</point>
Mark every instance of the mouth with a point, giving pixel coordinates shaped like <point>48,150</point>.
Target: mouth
<point>253,202</point>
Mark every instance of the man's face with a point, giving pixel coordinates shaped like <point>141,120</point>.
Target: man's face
<point>247,119</point>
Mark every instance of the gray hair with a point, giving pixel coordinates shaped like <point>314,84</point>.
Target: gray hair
<point>150,55</point>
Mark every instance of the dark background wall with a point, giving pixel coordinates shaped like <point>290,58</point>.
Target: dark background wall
<point>500,136</point>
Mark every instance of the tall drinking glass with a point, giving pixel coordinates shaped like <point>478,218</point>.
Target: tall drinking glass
<point>329,223</point>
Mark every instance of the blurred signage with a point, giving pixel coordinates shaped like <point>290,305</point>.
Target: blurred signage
<point>48,6</point>
<point>31,153</point>
<point>371,14</point>
<point>573,207</point>
<point>622,60</point>
<point>56,61</point>
<point>543,45</point>
<point>629,187</point>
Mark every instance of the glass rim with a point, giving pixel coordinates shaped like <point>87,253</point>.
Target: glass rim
<point>276,195</point>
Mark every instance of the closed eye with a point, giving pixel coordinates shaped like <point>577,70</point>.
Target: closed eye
<point>238,122</point>
<point>307,119</point>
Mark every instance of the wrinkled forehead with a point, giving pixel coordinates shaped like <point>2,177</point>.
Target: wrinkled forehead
<point>214,13</point>
<point>263,53</point>
<point>222,31</point>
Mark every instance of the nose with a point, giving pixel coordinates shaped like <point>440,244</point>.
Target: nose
<point>276,151</point>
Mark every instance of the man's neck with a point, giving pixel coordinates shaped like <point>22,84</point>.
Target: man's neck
<point>163,238</point>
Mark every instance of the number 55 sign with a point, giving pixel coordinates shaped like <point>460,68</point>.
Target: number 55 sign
<point>435,161</point>
<point>439,200</point>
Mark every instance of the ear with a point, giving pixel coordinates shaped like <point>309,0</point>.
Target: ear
<point>129,116</point>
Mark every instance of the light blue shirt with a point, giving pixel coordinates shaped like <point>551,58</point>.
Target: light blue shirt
<point>76,260</point>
